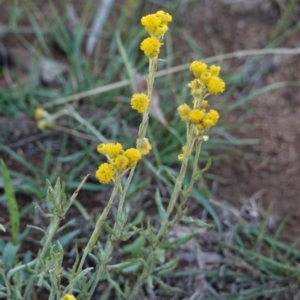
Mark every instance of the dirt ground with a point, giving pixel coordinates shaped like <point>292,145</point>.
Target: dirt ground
<point>272,177</point>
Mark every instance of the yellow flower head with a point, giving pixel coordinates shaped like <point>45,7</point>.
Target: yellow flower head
<point>113,149</point>
<point>140,102</point>
<point>133,156</point>
<point>42,125</point>
<point>215,85</point>
<point>164,17</point>
<point>160,31</point>
<point>40,113</point>
<point>180,157</point>
<point>156,24</point>
<point>68,297</point>
<point>210,119</point>
<point>151,46</point>
<point>183,149</point>
<point>144,146</point>
<point>205,76</point>
<point>213,114</point>
<point>207,123</point>
<point>110,149</point>
<point>198,68</point>
<point>105,173</point>
<point>215,70</point>
<point>121,162</point>
<point>151,22</point>
<point>196,115</point>
<point>101,149</point>
<point>184,112</point>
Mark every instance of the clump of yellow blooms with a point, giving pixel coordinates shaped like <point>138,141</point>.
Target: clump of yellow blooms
<point>156,25</point>
<point>209,77</point>
<point>112,150</point>
<point>40,113</point>
<point>43,119</point>
<point>140,102</point>
<point>68,297</point>
<point>207,82</point>
<point>119,160</point>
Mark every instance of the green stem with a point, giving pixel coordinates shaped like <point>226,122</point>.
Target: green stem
<point>142,131</point>
<point>99,226</point>
<point>100,271</point>
<point>146,272</point>
<point>193,178</point>
<point>123,195</point>
<point>179,180</point>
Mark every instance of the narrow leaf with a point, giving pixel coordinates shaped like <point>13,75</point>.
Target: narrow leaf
<point>200,173</point>
<point>12,204</point>
<point>160,207</point>
<point>198,223</point>
<point>180,241</point>
<point>9,255</point>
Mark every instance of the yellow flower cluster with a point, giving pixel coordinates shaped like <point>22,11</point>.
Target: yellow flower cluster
<point>198,116</point>
<point>140,102</point>
<point>208,77</point>
<point>118,160</point>
<point>112,150</point>
<point>42,118</point>
<point>156,25</point>
<point>207,82</point>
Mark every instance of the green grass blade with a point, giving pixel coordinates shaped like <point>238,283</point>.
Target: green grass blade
<point>12,204</point>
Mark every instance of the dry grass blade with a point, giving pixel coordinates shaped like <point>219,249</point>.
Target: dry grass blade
<point>212,59</point>
<point>100,18</point>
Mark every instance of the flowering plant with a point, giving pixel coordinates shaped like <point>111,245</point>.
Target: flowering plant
<point>118,168</point>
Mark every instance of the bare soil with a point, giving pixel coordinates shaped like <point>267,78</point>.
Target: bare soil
<point>272,175</point>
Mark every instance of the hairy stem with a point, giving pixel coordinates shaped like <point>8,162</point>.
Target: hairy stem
<point>99,226</point>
